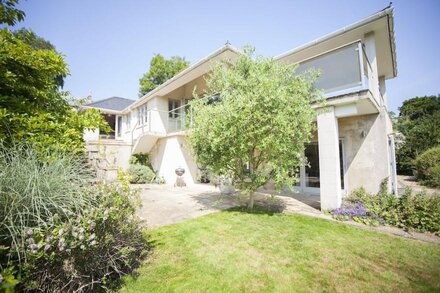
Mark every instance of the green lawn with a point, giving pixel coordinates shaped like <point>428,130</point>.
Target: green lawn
<point>234,251</point>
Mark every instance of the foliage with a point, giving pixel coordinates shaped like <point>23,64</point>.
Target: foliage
<point>419,123</point>
<point>140,174</point>
<point>420,211</point>
<point>160,71</point>
<point>69,235</point>
<point>33,109</point>
<point>262,119</point>
<point>141,159</point>
<point>9,14</point>
<point>237,251</point>
<point>33,40</point>
<point>38,43</point>
<point>427,166</point>
<point>32,191</point>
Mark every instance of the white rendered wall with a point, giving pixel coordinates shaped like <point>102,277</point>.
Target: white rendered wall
<point>170,153</point>
<point>329,171</point>
<point>91,135</point>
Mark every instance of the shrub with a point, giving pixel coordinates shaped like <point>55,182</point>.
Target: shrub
<point>419,212</point>
<point>33,191</point>
<point>58,231</point>
<point>140,174</point>
<point>427,166</point>
<point>141,159</point>
<point>99,245</point>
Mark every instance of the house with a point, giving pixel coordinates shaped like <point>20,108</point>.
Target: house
<point>353,146</point>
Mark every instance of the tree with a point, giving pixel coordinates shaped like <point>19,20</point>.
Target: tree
<point>255,128</point>
<point>9,14</point>
<point>33,110</point>
<point>161,70</point>
<point>38,43</point>
<point>419,123</point>
<point>33,40</point>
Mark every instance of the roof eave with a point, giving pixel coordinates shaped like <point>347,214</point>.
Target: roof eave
<point>387,12</point>
<point>104,110</point>
<point>152,93</point>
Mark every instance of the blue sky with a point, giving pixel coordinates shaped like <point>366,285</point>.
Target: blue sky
<point>108,44</point>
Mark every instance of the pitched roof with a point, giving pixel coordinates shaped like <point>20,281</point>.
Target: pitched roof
<point>150,94</point>
<point>112,103</point>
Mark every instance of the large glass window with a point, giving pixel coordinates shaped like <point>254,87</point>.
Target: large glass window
<point>143,115</point>
<point>312,168</point>
<point>340,69</point>
<point>128,121</point>
<point>119,125</point>
<point>173,108</point>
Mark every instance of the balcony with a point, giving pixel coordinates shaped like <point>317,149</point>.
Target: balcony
<point>344,70</point>
<point>163,122</point>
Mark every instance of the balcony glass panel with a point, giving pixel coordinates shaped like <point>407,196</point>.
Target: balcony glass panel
<point>340,69</point>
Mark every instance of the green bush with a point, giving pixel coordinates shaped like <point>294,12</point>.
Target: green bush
<point>33,191</point>
<point>60,233</point>
<point>420,212</point>
<point>100,244</point>
<point>140,174</point>
<point>427,166</point>
<point>141,159</point>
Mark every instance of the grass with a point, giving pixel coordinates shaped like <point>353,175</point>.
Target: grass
<point>235,251</point>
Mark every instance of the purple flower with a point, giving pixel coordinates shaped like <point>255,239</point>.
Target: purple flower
<point>29,232</point>
<point>33,246</point>
<point>61,243</point>
<point>46,247</point>
<point>356,210</point>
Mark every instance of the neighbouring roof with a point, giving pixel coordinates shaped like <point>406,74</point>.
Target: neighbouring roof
<point>112,103</point>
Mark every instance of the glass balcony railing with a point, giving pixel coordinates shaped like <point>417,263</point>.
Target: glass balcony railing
<point>162,122</point>
<point>342,71</point>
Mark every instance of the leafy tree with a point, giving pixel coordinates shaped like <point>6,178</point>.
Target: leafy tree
<point>38,43</point>
<point>256,129</point>
<point>34,41</point>
<point>419,123</point>
<point>9,14</point>
<point>161,70</point>
<point>32,107</point>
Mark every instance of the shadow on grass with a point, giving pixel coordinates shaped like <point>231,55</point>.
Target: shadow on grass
<point>259,209</point>
<point>239,202</point>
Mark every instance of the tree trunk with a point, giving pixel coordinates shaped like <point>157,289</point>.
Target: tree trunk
<point>251,200</point>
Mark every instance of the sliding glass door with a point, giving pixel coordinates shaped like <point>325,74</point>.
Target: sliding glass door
<point>309,173</point>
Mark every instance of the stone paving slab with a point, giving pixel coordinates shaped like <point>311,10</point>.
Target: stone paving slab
<point>164,205</point>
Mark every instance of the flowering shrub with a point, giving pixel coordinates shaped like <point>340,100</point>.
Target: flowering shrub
<point>78,249</point>
<point>356,212</point>
<point>420,212</point>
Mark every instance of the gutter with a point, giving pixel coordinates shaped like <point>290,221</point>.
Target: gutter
<point>387,12</point>
<point>103,110</point>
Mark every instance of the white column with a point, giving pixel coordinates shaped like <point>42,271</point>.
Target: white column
<point>370,51</point>
<point>329,169</point>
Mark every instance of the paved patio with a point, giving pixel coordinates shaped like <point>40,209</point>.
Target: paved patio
<point>164,204</point>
